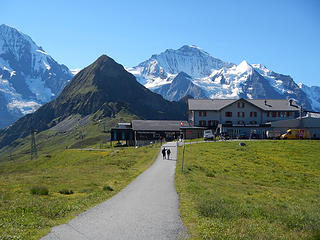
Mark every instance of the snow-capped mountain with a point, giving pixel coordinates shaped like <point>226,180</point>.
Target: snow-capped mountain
<point>29,77</point>
<point>181,85</point>
<point>216,78</point>
<point>162,68</point>
<point>313,95</point>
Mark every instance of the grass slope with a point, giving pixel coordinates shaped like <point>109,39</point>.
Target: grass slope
<point>265,190</point>
<point>76,179</point>
<point>92,176</point>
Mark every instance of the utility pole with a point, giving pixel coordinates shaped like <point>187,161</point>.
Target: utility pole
<point>33,150</point>
<point>183,155</point>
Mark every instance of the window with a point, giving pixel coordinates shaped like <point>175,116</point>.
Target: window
<point>240,104</point>
<point>210,123</point>
<point>228,122</point>
<point>240,114</point>
<point>241,122</point>
<point>268,114</point>
<point>274,114</point>
<point>228,114</point>
<point>254,114</point>
<point>253,122</point>
<point>202,113</point>
<point>279,114</point>
<point>202,122</point>
<point>288,114</point>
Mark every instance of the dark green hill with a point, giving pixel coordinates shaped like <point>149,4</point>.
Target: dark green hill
<point>104,87</point>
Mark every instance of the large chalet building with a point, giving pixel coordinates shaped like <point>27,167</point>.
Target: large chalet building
<point>211,112</point>
<point>240,116</point>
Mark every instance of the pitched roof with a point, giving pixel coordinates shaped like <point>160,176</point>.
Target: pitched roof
<point>218,104</point>
<point>304,122</point>
<point>157,125</point>
<point>208,104</point>
<point>274,104</point>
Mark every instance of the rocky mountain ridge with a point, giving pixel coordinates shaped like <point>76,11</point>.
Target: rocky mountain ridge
<point>219,79</point>
<point>29,77</point>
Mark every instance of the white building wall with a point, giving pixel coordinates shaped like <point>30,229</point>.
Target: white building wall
<point>247,109</point>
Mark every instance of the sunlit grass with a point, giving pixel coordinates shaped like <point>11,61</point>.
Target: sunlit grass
<point>265,190</point>
<point>76,180</point>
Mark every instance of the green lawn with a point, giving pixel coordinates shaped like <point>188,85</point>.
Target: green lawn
<point>265,190</point>
<point>93,176</point>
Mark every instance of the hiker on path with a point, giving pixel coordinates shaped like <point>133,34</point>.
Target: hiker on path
<point>164,153</point>
<point>168,153</point>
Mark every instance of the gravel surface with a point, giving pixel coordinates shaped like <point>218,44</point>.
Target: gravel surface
<point>148,208</point>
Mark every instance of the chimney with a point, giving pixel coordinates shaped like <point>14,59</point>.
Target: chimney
<point>290,102</point>
<point>265,102</point>
<point>301,112</point>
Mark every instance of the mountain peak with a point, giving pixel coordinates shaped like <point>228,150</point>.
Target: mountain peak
<point>183,74</point>
<point>7,31</point>
<point>32,77</point>
<point>191,48</point>
<point>244,66</point>
<point>189,59</point>
<point>5,26</point>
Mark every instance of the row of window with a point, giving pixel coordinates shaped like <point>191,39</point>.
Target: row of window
<point>252,114</point>
<point>241,114</point>
<point>242,122</point>
<point>202,113</point>
<point>210,123</point>
<point>279,114</point>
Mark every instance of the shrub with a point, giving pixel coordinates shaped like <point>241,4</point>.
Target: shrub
<point>66,191</point>
<point>210,174</point>
<point>39,190</point>
<point>107,188</point>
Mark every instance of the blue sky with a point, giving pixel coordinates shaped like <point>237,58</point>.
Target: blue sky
<point>283,35</point>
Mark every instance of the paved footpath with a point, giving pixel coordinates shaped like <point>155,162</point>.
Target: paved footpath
<point>148,208</point>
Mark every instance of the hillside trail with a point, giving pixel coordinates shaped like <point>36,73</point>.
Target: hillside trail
<point>148,208</point>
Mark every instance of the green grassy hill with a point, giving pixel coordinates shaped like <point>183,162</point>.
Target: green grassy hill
<point>265,190</point>
<point>75,180</point>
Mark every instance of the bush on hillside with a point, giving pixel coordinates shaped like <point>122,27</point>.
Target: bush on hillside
<point>39,190</point>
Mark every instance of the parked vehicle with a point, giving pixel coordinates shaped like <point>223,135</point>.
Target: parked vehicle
<point>224,136</point>
<point>208,135</point>
<point>242,136</point>
<point>273,134</point>
<point>254,136</point>
<point>296,134</point>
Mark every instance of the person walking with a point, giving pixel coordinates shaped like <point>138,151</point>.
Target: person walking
<point>164,153</point>
<point>168,153</point>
